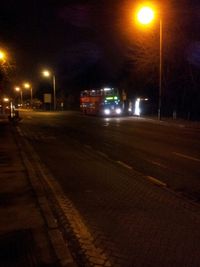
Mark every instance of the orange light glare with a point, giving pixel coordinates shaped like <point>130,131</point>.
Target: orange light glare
<point>145,15</point>
<point>46,73</point>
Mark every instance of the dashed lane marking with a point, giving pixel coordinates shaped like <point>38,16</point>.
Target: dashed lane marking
<point>88,146</point>
<point>124,165</point>
<point>102,154</point>
<point>186,156</point>
<point>158,164</point>
<point>156,181</point>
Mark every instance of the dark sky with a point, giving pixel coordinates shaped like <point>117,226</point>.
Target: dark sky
<point>60,34</point>
<point>73,36</point>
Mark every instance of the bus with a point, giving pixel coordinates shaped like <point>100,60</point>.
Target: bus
<point>105,101</point>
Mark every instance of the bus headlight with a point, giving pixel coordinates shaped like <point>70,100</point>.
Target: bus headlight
<point>118,110</point>
<point>107,111</point>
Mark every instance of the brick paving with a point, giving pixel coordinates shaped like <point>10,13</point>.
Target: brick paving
<point>134,222</point>
<point>23,233</point>
<point>143,225</point>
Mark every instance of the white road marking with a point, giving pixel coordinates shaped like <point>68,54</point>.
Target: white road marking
<point>158,164</point>
<point>102,154</point>
<point>124,165</point>
<point>88,146</point>
<point>186,156</point>
<point>108,145</point>
<point>156,181</point>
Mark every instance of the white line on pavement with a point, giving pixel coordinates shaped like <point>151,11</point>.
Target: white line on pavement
<point>158,164</point>
<point>102,154</point>
<point>186,156</point>
<point>156,181</point>
<point>124,165</point>
<point>88,146</point>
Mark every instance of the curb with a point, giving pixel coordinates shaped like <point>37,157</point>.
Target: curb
<point>55,236</point>
<point>171,122</point>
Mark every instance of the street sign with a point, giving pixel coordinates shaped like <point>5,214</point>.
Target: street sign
<point>47,98</point>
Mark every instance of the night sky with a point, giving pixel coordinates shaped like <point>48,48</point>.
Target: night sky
<point>92,43</point>
<point>67,36</point>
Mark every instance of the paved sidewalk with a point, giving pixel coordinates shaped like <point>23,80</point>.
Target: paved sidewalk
<point>23,235</point>
<point>173,122</point>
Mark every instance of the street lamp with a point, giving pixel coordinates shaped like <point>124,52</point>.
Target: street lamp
<point>146,15</point>
<point>28,86</point>
<point>6,104</point>
<point>47,74</point>
<point>18,89</point>
<point>2,56</point>
<point>6,99</point>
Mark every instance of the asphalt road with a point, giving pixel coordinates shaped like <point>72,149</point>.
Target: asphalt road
<point>131,179</point>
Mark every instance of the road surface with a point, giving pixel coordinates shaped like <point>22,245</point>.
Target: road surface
<point>133,183</point>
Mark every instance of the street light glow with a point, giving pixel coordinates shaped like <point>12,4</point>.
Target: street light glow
<point>46,73</point>
<point>27,85</point>
<point>17,89</point>
<point>2,55</point>
<point>145,15</point>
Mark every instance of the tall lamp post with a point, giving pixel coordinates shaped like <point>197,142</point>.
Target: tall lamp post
<point>160,70</point>
<point>47,73</point>
<point>28,86</point>
<point>146,15</point>
<point>2,58</point>
<point>18,89</point>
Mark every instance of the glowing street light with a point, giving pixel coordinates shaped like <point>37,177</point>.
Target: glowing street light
<point>146,15</point>
<point>47,74</point>
<point>2,55</point>
<point>17,89</point>
<point>6,99</point>
<point>28,86</point>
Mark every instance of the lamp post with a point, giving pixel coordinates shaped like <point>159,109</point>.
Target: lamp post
<point>28,86</point>
<point>160,69</point>
<point>145,16</point>
<point>47,73</point>
<point>6,102</point>
<point>54,92</point>
<point>18,89</point>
